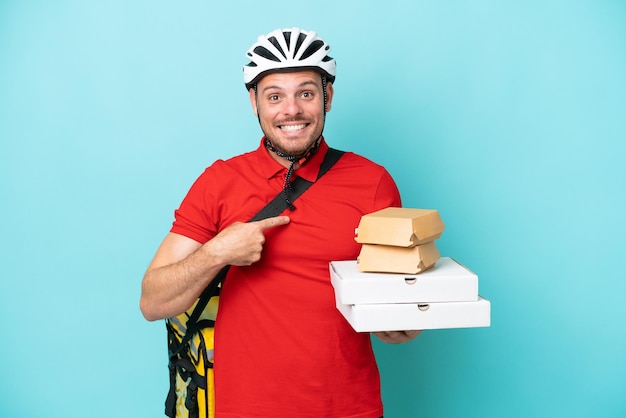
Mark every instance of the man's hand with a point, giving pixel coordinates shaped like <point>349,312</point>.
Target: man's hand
<point>241,244</point>
<point>397,337</point>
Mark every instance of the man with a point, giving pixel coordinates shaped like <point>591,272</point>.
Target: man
<point>281,347</point>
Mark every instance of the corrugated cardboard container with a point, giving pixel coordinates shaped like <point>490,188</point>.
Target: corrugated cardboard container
<point>417,316</point>
<point>401,227</point>
<point>447,281</point>
<point>389,259</point>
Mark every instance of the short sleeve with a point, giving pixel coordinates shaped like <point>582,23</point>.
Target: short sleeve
<point>387,193</point>
<point>195,217</point>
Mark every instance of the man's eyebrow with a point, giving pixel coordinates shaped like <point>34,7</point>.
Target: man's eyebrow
<point>270,87</point>
<point>276,87</point>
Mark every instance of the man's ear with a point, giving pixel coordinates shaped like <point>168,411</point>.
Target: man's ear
<point>253,102</point>
<point>329,95</point>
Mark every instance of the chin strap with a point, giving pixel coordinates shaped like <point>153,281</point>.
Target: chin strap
<point>293,159</point>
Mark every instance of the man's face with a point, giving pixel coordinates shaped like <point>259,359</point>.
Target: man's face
<point>290,107</point>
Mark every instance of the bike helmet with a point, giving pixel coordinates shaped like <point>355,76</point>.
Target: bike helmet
<point>288,49</point>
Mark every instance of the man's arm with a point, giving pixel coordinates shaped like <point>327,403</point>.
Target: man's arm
<point>182,267</point>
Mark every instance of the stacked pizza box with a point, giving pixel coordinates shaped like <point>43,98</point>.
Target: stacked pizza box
<point>400,281</point>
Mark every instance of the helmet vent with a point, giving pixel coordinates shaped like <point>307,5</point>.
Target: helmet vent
<point>287,36</point>
<point>301,38</point>
<point>312,49</point>
<point>274,42</point>
<point>263,52</point>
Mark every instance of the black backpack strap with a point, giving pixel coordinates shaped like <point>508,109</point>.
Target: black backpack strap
<point>331,157</point>
<point>274,208</point>
<point>277,205</point>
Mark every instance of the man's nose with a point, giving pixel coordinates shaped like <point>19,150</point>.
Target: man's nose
<point>292,106</point>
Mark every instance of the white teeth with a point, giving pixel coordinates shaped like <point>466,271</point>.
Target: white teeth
<point>292,127</point>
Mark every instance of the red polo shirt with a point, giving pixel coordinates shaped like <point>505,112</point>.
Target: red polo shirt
<point>281,347</point>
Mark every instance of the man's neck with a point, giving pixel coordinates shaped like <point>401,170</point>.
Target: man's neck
<point>280,160</point>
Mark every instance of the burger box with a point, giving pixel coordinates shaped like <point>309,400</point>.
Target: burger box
<point>390,259</point>
<point>447,281</point>
<point>417,316</point>
<point>401,227</point>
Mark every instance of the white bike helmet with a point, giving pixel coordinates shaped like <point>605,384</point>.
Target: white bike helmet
<point>287,49</point>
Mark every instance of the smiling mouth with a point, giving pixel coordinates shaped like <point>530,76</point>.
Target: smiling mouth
<point>291,128</point>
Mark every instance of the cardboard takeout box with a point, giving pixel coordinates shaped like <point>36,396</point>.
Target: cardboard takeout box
<point>417,316</point>
<point>447,281</point>
<point>390,259</point>
<point>402,227</point>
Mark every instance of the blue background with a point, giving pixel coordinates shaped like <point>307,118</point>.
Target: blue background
<point>508,117</point>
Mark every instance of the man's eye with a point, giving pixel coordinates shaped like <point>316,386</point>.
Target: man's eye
<point>273,97</point>
<point>307,94</point>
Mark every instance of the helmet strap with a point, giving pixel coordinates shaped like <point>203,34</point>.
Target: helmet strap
<point>325,92</point>
<point>293,159</point>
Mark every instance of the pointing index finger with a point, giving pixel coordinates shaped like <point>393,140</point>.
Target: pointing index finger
<point>273,222</point>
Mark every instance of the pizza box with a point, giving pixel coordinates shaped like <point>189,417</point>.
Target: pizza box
<point>417,316</point>
<point>447,281</point>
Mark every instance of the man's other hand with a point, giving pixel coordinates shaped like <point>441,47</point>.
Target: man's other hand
<point>397,337</point>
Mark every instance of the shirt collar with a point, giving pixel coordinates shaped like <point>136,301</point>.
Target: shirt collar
<point>308,171</point>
